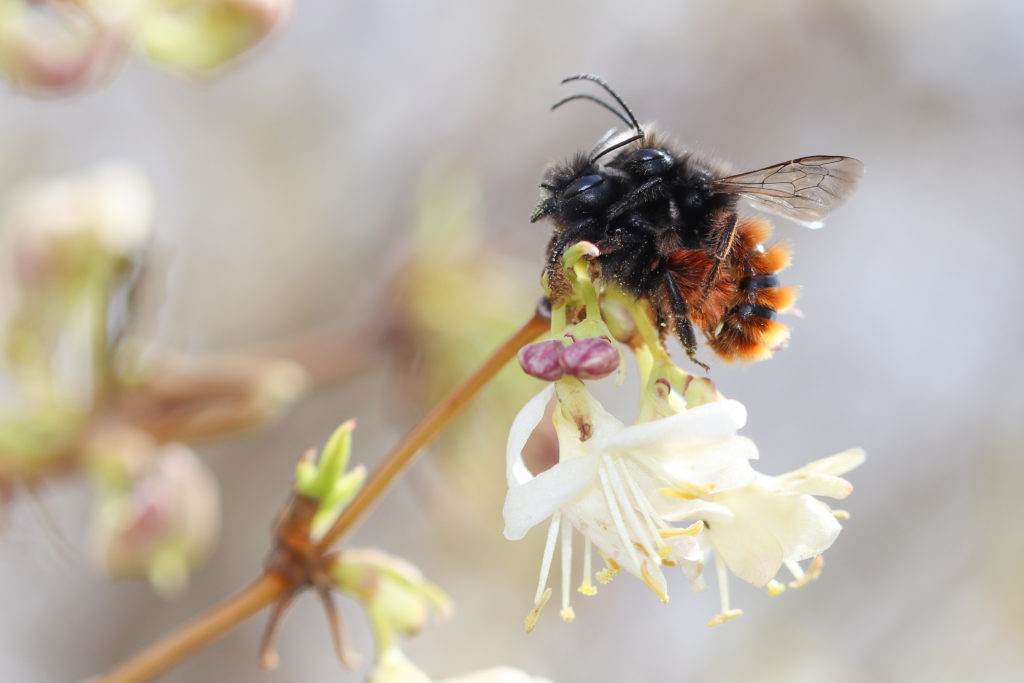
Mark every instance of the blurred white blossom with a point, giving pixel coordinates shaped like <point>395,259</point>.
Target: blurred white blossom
<point>157,509</point>
<point>69,227</point>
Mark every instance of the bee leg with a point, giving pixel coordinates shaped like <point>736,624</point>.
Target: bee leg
<point>722,250</point>
<point>651,189</point>
<point>681,320</point>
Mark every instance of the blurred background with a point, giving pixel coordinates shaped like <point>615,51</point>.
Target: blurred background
<point>293,188</point>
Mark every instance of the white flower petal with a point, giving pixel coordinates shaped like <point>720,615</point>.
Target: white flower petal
<point>801,526</point>
<point>675,510</point>
<point>724,464</point>
<point>750,552</point>
<point>700,426</point>
<point>836,465</point>
<point>820,485</point>
<point>530,503</point>
<point>522,427</point>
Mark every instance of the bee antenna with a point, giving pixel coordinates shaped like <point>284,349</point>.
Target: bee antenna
<point>622,143</point>
<point>596,100</point>
<point>601,82</point>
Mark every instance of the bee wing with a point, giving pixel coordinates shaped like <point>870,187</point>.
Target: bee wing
<point>804,190</point>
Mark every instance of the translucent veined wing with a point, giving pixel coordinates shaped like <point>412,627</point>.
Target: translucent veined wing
<point>804,190</point>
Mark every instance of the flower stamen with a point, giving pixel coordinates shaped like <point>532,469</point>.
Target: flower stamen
<point>801,577</point>
<point>566,612</point>
<point>686,490</point>
<point>586,587</point>
<point>723,590</point>
<point>531,618</point>
<point>655,587</point>
<point>616,514</point>
<point>692,530</point>
<point>628,510</point>
<point>647,512</point>
<point>549,552</point>
<point>611,570</point>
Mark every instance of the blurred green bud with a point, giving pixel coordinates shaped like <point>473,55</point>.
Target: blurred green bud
<point>200,36</point>
<point>325,480</point>
<point>398,600</point>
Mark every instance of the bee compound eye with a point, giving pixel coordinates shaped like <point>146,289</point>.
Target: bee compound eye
<point>587,195</point>
<point>650,162</point>
<point>581,185</point>
<point>649,154</point>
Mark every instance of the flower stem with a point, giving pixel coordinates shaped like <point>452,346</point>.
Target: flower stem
<point>434,422</point>
<point>179,644</point>
<point>203,630</point>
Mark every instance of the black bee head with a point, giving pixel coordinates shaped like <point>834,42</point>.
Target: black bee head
<point>648,163</point>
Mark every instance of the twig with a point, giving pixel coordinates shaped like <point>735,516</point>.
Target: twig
<point>434,422</point>
<point>178,645</point>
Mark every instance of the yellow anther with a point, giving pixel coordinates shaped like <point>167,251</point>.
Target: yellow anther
<point>531,618</point>
<point>649,580</point>
<point>688,491</point>
<point>811,574</point>
<point>840,514</point>
<point>609,572</point>
<point>720,619</point>
<point>692,530</point>
<point>775,587</point>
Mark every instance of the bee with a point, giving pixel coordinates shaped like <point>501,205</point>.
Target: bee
<point>667,227</point>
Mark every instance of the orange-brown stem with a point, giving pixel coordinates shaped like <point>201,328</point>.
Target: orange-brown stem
<point>179,644</point>
<point>434,422</point>
<point>203,630</point>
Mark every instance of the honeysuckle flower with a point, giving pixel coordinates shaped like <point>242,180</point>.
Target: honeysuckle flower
<point>756,529</point>
<point>157,509</point>
<point>606,478</point>
<point>624,488</point>
<point>69,228</point>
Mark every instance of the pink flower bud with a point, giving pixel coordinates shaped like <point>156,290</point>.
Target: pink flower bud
<point>542,360</point>
<point>591,358</point>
